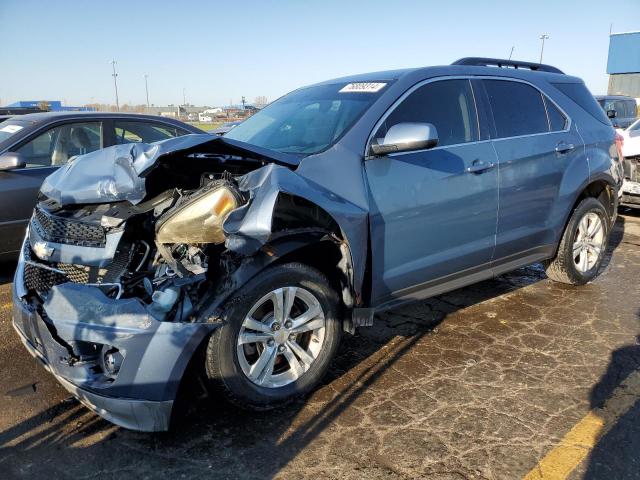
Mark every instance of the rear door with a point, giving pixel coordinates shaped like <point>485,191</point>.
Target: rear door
<point>535,142</point>
<point>43,152</point>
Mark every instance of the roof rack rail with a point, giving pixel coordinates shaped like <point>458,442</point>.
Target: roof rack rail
<point>498,62</point>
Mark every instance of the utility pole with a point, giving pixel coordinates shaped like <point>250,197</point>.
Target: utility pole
<point>543,37</point>
<point>115,83</point>
<point>146,88</point>
<point>184,97</point>
<point>510,54</point>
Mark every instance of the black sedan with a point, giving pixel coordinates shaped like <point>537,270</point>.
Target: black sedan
<point>34,145</point>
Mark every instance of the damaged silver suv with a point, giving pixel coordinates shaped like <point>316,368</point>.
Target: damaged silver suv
<point>340,199</point>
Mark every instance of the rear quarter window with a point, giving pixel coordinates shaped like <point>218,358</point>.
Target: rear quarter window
<point>580,95</point>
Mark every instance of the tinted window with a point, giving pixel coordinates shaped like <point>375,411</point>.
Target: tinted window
<point>518,108</point>
<point>579,93</point>
<point>557,120</point>
<point>632,109</point>
<point>448,105</point>
<point>57,145</point>
<point>136,132</point>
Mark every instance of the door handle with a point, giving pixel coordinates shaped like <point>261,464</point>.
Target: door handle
<point>479,167</point>
<point>564,147</point>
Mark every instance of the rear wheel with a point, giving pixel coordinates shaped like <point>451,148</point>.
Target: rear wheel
<point>582,248</point>
<point>280,334</point>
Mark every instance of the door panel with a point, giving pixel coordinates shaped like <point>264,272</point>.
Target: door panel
<point>531,173</point>
<point>430,218</point>
<point>18,194</point>
<point>534,149</point>
<point>43,152</point>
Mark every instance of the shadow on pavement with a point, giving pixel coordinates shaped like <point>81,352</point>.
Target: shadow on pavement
<point>616,453</point>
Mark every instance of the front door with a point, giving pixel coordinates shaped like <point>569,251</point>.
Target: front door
<point>433,212</point>
<point>42,154</point>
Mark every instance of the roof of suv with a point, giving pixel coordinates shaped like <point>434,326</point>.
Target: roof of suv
<point>467,66</point>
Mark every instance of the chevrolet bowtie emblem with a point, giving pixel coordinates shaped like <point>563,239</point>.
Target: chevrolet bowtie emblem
<point>42,250</point>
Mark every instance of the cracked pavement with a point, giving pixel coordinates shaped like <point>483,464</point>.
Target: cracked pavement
<point>482,382</point>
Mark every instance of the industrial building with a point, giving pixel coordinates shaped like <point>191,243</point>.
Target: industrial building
<point>623,65</point>
<point>50,105</point>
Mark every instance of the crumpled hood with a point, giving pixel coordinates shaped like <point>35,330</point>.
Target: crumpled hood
<point>117,173</point>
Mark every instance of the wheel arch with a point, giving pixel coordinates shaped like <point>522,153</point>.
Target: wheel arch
<point>601,188</point>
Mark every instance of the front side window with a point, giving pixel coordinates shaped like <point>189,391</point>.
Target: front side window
<point>308,120</point>
<point>448,105</point>
<point>56,146</point>
<point>143,132</point>
<point>518,108</point>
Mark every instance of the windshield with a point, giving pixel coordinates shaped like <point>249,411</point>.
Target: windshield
<point>308,120</point>
<point>9,127</point>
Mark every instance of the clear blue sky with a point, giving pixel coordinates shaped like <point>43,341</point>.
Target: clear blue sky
<point>222,50</point>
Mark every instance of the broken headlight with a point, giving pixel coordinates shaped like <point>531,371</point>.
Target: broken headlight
<point>199,220</point>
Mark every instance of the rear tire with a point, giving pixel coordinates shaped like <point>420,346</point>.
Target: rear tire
<point>261,357</point>
<point>583,245</point>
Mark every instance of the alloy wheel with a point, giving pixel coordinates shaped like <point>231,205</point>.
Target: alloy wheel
<point>281,337</point>
<point>589,242</point>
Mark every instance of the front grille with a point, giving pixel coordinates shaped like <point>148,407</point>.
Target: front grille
<point>41,277</point>
<point>61,230</point>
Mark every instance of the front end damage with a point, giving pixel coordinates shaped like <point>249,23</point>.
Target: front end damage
<point>126,267</point>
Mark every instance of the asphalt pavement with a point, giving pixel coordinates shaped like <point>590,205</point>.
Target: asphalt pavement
<point>510,378</point>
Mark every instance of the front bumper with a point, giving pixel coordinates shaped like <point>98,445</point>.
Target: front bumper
<point>75,319</point>
<point>630,194</point>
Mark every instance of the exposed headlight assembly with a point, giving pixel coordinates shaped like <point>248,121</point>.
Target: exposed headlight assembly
<point>200,219</point>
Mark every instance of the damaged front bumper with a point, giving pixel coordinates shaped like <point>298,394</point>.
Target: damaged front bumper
<point>630,193</point>
<point>78,326</point>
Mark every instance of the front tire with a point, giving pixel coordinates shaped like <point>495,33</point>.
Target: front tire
<point>583,245</point>
<point>280,334</point>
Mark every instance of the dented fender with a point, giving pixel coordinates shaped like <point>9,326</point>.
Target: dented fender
<point>250,227</point>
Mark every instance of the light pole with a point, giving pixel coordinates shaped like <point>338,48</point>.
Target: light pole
<point>543,37</point>
<point>115,83</point>
<point>184,97</point>
<point>146,89</point>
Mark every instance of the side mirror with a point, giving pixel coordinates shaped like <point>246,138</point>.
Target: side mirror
<point>612,113</point>
<point>406,137</point>
<point>11,161</point>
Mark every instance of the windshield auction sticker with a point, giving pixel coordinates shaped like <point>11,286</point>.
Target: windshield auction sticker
<point>11,128</point>
<point>364,87</point>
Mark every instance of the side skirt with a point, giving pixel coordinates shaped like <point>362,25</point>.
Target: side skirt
<point>464,278</point>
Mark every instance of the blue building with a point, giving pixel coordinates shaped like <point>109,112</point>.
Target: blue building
<point>53,105</point>
<point>623,65</point>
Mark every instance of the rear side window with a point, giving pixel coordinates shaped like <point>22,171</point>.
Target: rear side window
<point>136,132</point>
<point>448,105</point>
<point>632,109</point>
<point>579,93</point>
<point>518,108</point>
<point>557,121</point>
